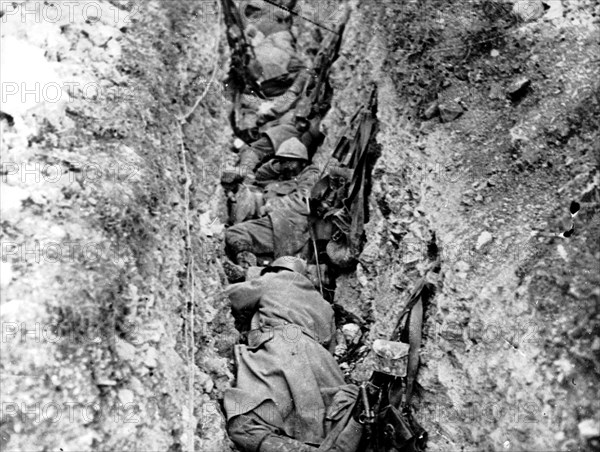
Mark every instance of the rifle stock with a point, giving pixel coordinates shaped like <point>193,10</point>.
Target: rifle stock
<point>242,53</point>
<point>317,94</point>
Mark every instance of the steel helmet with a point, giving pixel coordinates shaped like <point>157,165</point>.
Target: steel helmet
<point>292,148</point>
<point>291,263</point>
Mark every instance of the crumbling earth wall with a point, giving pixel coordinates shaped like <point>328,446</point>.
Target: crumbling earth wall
<point>107,340</point>
<point>97,258</point>
<point>487,137</point>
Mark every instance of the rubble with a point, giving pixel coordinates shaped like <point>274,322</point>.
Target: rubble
<point>450,110</point>
<point>484,238</point>
<point>151,358</point>
<point>518,89</point>
<point>351,332</point>
<point>487,297</point>
<point>431,111</point>
<point>589,428</point>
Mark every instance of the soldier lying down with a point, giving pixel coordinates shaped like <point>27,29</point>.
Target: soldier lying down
<point>290,394</point>
<point>280,224</point>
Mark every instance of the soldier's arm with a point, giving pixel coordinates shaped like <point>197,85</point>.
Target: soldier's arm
<point>296,201</point>
<point>283,103</point>
<point>268,172</point>
<point>244,296</point>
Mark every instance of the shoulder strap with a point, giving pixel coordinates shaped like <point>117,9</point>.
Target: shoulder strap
<point>415,326</point>
<point>413,311</point>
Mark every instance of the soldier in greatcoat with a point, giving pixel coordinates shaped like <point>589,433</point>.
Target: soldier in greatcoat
<point>289,394</point>
<point>282,225</point>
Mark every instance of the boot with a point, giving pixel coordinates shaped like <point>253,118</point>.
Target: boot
<point>249,161</point>
<point>274,443</point>
<point>235,273</point>
<point>246,259</point>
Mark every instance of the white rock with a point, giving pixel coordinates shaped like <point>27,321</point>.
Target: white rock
<point>485,238</point>
<point>6,274</point>
<point>11,199</point>
<point>555,12</point>
<point>562,253</point>
<point>564,365</point>
<point>151,359</point>
<point>125,350</point>
<point>589,428</point>
<point>24,67</point>
<point>360,276</point>
<point>14,311</point>
<point>208,386</point>
<point>351,332</point>
<point>462,266</point>
<point>210,224</point>
<point>150,332</point>
<point>126,396</point>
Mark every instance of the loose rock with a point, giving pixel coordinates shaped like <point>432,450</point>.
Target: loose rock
<point>431,111</point>
<point>518,89</point>
<point>485,238</point>
<point>151,359</point>
<point>450,111</point>
<point>351,332</point>
<point>125,350</point>
<point>588,429</point>
<point>126,396</point>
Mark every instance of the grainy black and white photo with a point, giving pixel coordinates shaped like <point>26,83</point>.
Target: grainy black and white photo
<point>295,225</point>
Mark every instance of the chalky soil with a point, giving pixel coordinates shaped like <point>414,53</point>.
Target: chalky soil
<point>109,343</point>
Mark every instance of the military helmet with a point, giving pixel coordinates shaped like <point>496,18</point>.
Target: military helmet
<point>292,148</point>
<point>294,264</point>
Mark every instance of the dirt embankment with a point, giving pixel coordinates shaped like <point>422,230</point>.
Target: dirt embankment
<point>487,137</point>
<point>97,183</point>
<point>97,256</point>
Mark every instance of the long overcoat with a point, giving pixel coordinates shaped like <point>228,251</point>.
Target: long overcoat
<point>286,203</point>
<point>286,359</point>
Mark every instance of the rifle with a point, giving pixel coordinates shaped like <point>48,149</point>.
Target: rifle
<point>242,53</point>
<point>362,150</point>
<point>240,78</point>
<point>317,94</point>
<point>356,152</point>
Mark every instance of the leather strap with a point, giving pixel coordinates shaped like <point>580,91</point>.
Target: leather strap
<point>415,326</point>
<point>414,311</point>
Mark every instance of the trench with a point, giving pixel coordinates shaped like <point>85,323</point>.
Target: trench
<point>141,344</point>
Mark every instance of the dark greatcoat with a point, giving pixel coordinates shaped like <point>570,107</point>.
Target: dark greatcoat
<point>286,204</point>
<point>285,360</point>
